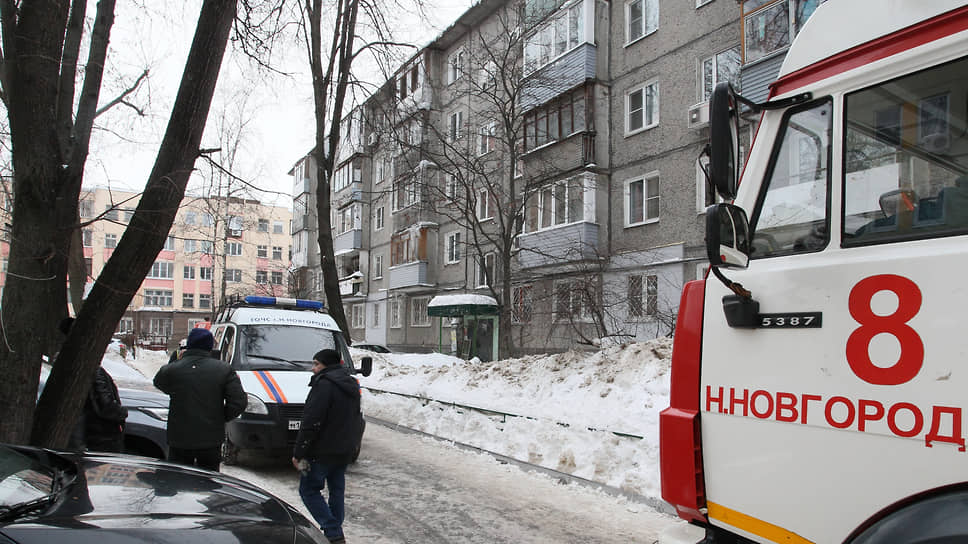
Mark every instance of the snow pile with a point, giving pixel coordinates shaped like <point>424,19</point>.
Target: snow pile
<point>572,405</point>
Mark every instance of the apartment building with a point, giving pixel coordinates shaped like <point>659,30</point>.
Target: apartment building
<point>543,153</point>
<point>217,247</point>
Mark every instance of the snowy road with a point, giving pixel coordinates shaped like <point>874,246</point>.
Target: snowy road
<point>409,489</point>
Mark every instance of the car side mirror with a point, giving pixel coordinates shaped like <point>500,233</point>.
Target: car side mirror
<point>724,164</point>
<point>727,236</point>
<point>366,365</point>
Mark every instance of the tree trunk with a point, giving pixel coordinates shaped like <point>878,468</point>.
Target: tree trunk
<point>147,232</point>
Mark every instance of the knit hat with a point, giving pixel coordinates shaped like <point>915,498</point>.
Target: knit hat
<point>329,357</point>
<point>200,338</point>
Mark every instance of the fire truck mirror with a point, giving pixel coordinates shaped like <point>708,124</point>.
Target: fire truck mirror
<point>727,236</point>
<point>724,140</point>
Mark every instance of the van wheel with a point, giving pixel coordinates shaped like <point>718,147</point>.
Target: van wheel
<point>230,452</point>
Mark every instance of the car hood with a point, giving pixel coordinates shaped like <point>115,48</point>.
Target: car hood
<point>137,397</point>
<point>157,502</point>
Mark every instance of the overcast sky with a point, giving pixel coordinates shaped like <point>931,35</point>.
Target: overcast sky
<point>277,109</point>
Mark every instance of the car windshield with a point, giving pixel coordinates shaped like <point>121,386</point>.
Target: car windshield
<point>282,346</point>
<point>23,478</point>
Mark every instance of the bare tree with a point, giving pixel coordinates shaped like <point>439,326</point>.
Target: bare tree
<point>38,69</point>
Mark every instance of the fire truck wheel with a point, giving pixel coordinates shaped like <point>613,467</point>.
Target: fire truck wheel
<point>230,452</point>
<point>939,518</point>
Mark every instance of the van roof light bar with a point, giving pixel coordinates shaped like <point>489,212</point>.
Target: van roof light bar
<point>282,301</point>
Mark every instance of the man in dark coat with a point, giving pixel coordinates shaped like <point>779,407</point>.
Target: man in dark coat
<point>328,439</point>
<point>101,425</point>
<point>205,393</point>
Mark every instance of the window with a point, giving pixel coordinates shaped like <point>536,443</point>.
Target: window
<point>485,204</point>
<point>486,141</point>
<point>642,108</point>
<point>188,300</point>
<point>207,220</point>
<point>455,125</point>
<point>110,240</point>
<point>643,295</point>
<point>347,219</point>
<point>277,253</point>
<point>570,302</point>
<point>126,325</point>
<point>160,326</point>
<point>344,175</point>
<point>555,121</point>
<point>484,273</point>
<point>162,270</point>
<point>396,320</point>
<point>521,304</point>
<point>206,246</point>
<point>642,200</point>
<point>277,227</point>
<point>190,218</point>
<point>190,246</point>
<point>375,316</point>
<point>263,225</point>
<point>455,66</point>
<point>204,301</point>
<point>560,34</point>
<point>88,266</point>
<point>723,66</point>
<point>769,26</point>
<point>487,75</point>
<point>233,275</point>
<point>205,273</point>
<point>409,246</point>
<point>450,186</point>
<point>85,208</point>
<point>359,316</point>
<point>233,248</point>
<point>87,237</point>
<point>276,277</point>
<point>792,216</point>
<point>262,277</point>
<point>642,17</point>
<point>235,226</point>
<point>906,180</point>
<point>169,243</point>
<point>556,204</point>
<point>128,214</point>
<point>418,312</point>
<point>406,192</point>
<point>110,212</point>
<point>157,297</point>
<point>378,267</point>
<point>188,272</point>
<point>453,247</point>
<point>378,218</point>
<point>262,252</point>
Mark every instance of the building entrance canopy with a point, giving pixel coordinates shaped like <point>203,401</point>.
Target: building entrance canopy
<point>461,305</point>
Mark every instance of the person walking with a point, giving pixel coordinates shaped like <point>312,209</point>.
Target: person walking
<point>329,437</point>
<point>204,394</point>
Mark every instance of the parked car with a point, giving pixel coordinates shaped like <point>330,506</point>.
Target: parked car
<point>146,428</point>
<point>53,496</point>
<point>375,348</point>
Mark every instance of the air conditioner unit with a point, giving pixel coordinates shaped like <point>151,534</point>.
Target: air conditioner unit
<point>935,143</point>
<point>372,138</point>
<point>699,115</point>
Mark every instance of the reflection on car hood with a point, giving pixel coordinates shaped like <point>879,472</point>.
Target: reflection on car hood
<point>138,397</point>
<point>156,502</point>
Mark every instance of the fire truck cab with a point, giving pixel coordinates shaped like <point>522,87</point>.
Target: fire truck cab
<point>817,392</point>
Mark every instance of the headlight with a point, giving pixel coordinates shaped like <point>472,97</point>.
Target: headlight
<point>255,405</point>
<point>157,413</point>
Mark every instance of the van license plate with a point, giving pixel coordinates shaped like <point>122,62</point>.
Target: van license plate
<point>294,424</point>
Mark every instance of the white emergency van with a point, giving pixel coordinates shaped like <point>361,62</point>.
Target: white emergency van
<point>270,342</point>
<point>819,381</point>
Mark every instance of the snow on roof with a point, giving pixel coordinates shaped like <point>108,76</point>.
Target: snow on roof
<point>456,300</point>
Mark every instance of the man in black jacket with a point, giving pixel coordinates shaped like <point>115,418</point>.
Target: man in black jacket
<point>329,435</point>
<point>205,393</point>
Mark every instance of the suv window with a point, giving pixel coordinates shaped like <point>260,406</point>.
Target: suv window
<point>282,347</point>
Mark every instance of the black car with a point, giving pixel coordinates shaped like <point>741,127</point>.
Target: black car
<point>375,348</point>
<point>50,496</point>
<point>146,428</point>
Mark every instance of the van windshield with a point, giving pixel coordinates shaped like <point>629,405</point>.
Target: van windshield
<point>281,347</point>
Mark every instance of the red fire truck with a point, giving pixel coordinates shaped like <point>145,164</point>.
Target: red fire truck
<point>820,372</point>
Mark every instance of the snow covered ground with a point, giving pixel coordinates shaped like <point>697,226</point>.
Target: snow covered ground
<point>571,405</point>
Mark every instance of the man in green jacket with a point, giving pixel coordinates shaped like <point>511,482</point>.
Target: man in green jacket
<point>204,393</point>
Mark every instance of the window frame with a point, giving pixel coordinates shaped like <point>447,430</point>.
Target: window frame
<point>655,111</point>
<point>627,198</point>
<point>418,318</point>
<point>644,25</point>
<point>452,247</point>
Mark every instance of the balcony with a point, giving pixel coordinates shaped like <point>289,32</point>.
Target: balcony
<point>562,74</point>
<point>559,245</point>
<point>412,274</point>
<point>573,152</point>
<point>349,241</point>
